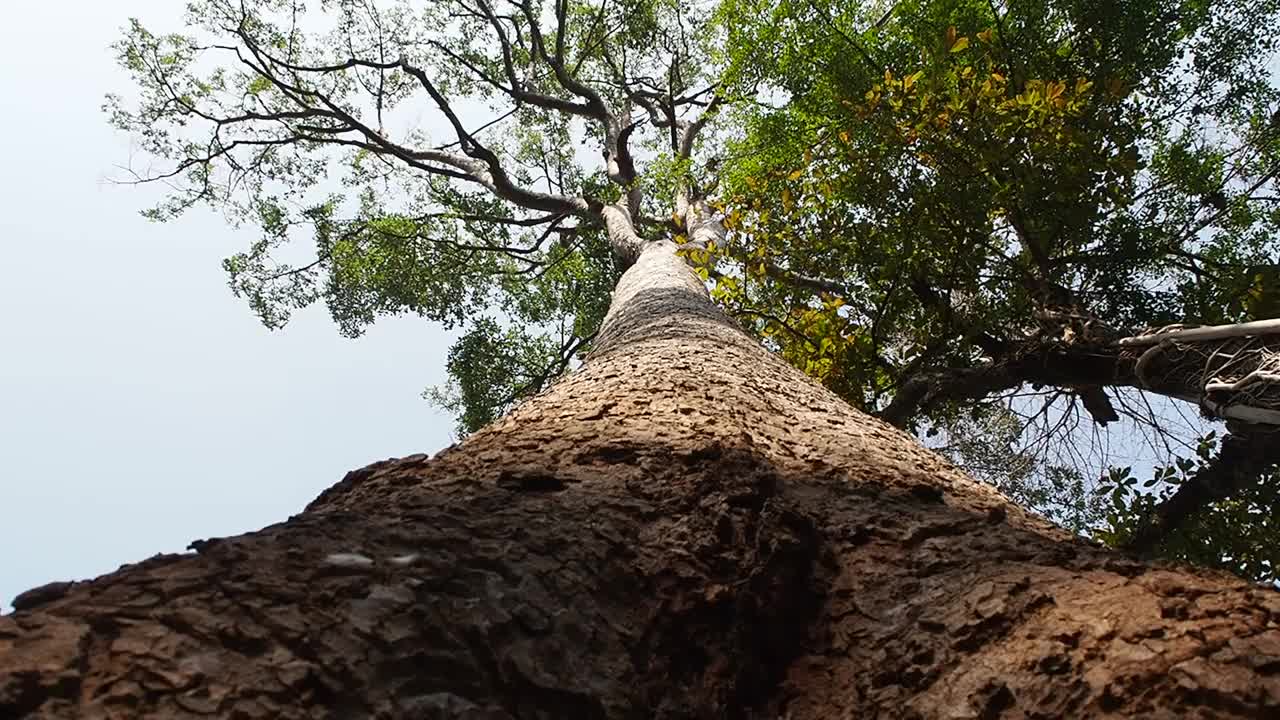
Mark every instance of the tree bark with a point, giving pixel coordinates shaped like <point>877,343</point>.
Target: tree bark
<point>684,528</point>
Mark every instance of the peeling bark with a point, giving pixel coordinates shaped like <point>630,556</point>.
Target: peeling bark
<point>684,528</point>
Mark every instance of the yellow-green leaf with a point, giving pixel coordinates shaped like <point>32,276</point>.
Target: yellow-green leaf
<point>960,44</point>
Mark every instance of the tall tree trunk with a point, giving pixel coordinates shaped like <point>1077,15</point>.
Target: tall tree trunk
<point>684,528</point>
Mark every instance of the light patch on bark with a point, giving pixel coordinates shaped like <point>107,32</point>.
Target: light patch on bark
<point>349,560</point>
<point>659,296</point>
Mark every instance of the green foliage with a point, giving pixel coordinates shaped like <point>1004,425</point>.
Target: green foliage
<point>491,368</point>
<point>1060,143</point>
<point>304,120</point>
<point>549,319</point>
<point>986,443</point>
<point>1240,534</point>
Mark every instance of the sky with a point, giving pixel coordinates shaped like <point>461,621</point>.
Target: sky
<point>142,406</point>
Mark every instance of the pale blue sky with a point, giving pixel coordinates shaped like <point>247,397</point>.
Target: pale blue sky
<point>141,405</point>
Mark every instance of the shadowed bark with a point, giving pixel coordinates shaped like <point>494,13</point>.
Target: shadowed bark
<point>684,528</point>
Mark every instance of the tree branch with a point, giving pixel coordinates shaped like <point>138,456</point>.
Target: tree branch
<point>1243,457</point>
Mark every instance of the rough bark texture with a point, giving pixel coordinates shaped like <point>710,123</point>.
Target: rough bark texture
<point>685,528</point>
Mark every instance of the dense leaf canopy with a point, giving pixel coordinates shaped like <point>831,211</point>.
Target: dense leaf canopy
<point>947,175</point>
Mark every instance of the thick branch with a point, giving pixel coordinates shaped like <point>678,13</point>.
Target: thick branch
<point>691,131</point>
<point>516,88</point>
<point>1199,334</point>
<point>1052,364</point>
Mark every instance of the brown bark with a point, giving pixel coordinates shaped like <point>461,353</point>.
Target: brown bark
<point>685,528</point>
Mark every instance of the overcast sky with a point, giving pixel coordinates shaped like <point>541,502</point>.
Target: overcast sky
<point>141,405</point>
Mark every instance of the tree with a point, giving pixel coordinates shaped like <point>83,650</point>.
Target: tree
<point>965,204</point>
<point>686,526</point>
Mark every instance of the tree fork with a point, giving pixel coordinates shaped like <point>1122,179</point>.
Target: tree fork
<point>684,528</point>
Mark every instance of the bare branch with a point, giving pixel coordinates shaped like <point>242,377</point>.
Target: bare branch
<point>516,88</point>
<point>690,133</point>
<point>495,177</point>
<point>556,62</point>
